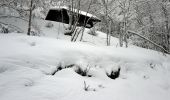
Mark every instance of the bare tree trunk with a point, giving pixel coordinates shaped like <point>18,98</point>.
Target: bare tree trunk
<point>125,34</point>
<point>105,4</point>
<point>167,28</point>
<point>120,35</point>
<point>82,33</point>
<point>110,30</point>
<point>74,35</point>
<point>71,14</point>
<point>30,18</point>
<point>107,26</point>
<point>73,19</point>
<point>74,29</point>
<point>125,7</point>
<point>125,24</point>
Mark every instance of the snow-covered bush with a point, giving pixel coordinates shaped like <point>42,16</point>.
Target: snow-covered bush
<point>68,32</point>
<point>83,71</point>
<point>114,74</point>
<point>36,29</point>
<point>34,33</point>
<point>4,29</point>
<point>49,25</point>
<point>61,66</point>
<point>9,29</point>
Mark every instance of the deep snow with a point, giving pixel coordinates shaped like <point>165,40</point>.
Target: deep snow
<point>26,64</point>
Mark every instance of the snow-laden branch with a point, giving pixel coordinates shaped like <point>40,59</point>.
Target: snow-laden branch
<point>157,45</point>
<point>12,26</point>
<point>8,3</point>
<point>9,16</point>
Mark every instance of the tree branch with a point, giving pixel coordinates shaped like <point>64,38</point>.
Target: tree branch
<point>157,45</point>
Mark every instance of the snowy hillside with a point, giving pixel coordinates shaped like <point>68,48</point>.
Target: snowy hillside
<point>57,31</point>
<point>28,70</point>
<point>51,60</point>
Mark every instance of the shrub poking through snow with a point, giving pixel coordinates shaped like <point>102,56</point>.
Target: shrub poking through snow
<point>4,29</point>
<point>54,72</point>
<point>70,66</point>
<point>101,86</point>
<point>61,66</point>
<point>152,66</point>
<point>146,77</point>
<point>87,87</point>
<point>114,74</point>
<point>58,68</point>
<point>34,33</point>
<point>83,71</point>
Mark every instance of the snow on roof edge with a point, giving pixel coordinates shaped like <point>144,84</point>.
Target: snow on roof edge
<point>81,12</point>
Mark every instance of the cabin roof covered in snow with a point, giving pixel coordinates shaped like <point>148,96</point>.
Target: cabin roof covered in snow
<point>80,11</point>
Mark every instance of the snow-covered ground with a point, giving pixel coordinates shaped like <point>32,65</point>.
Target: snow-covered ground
<point>57,31</point>
<point>27,64</point>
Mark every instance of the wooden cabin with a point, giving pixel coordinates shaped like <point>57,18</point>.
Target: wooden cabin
<point>61,14</point>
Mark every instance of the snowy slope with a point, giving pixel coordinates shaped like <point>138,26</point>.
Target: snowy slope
<point>26,64</point>
<point>57,31</point>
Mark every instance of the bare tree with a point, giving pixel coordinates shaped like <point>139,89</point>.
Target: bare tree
<point>85,22</point>
<point>108,8</point>
<point>30,17</point>
<point>126,12</point>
